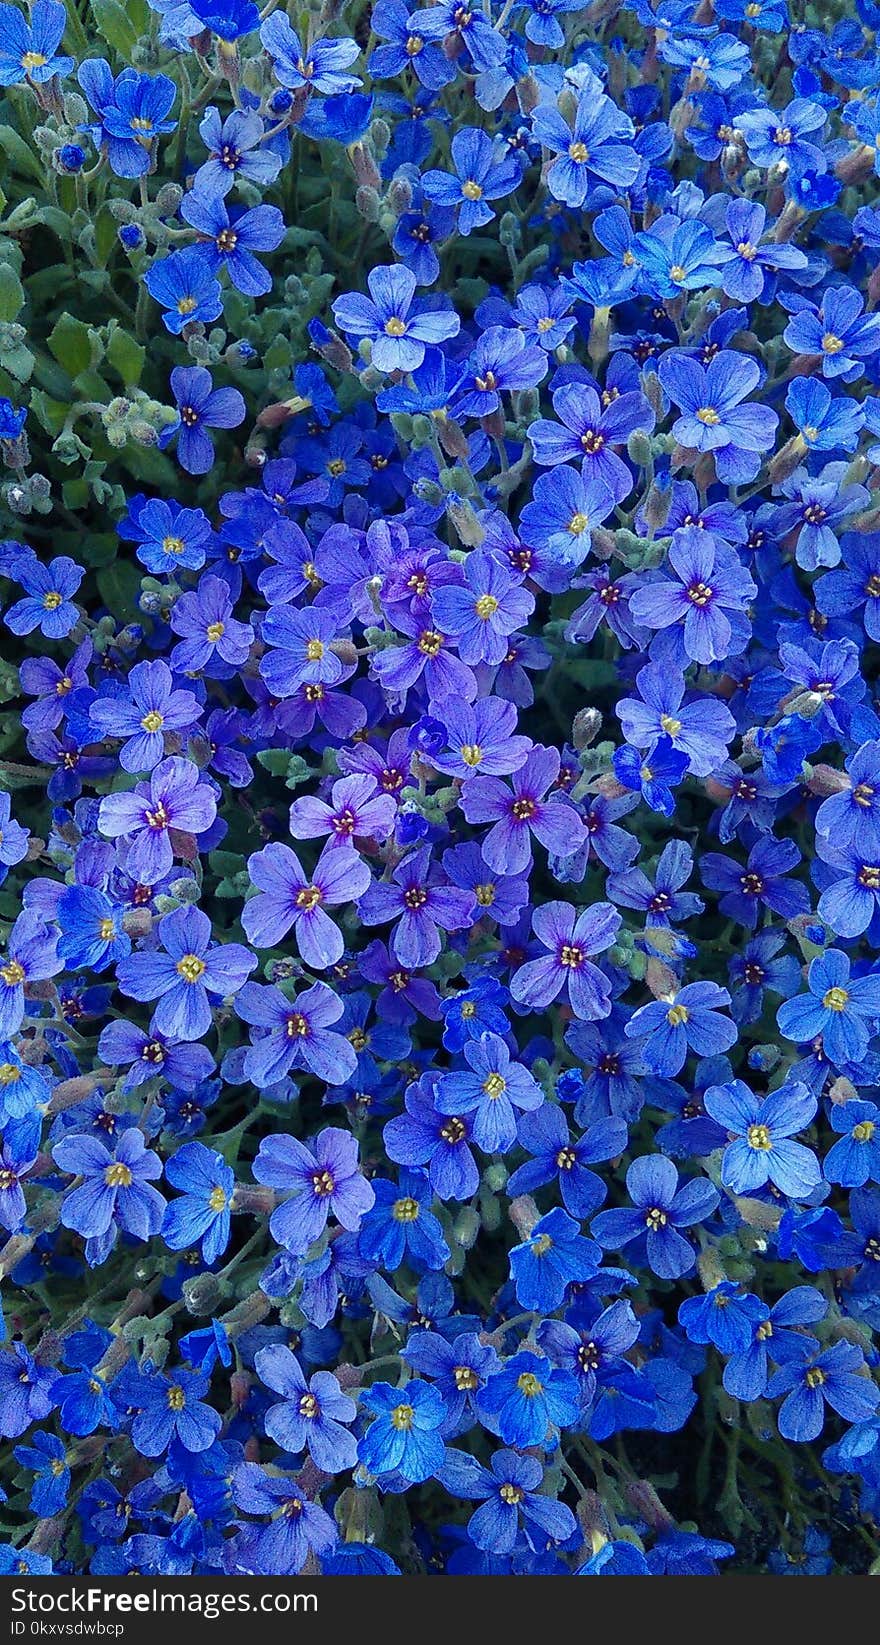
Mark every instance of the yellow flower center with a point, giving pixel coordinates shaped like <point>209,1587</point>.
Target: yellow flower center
<point>309,897</point>
<point>117,1176</point>
<point>190,968</point>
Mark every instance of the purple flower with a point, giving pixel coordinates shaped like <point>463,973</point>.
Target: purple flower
<point>587,430</point>
<point>311,1414</point>
<point>175,797</point>
<point>426,657</point>
<point>355,811</point>
<point>522,810</point>
<point>570,938</point>
<point>200,406</point>
<point>760,883</point>
<point>484,610</point>
<point>322,1180</point>
<point>425,1136</point>
<point>290,899</point>
<point>182,1064</point>
<point>707,598</point>
<point>296,1035</point>
<point>235,151</point>
<point>211,640</point>
<point>115,1186</point>
<point>420,900</point>
<point>52,686</point>
<point>187,976</point>
<point>402,996</point>
<point>152,707</point>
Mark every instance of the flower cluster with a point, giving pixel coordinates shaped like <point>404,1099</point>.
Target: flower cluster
<point>440,788</point>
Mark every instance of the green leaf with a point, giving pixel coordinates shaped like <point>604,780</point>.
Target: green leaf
<point>275,760</point>
<point>48,412</point>
<point>126,356</point>
<point>119,585</point>
<point>117,27</point>
<point>69,342</point>
<point>11,294</point>
<point>20,155</point>
<point>106,237</point>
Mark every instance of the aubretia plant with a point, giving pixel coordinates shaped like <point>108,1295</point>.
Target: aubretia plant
<point>439,787</point>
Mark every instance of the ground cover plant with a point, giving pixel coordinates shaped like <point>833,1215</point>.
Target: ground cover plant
<point>439,787</point>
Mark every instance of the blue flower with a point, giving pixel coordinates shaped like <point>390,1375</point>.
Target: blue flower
<point>810,1382</point>
<point>555,1256</point>
<point>484,170</point>
<point>312,1416</point>
<point>661,1209</point>
<point>404,1436</point>
<point>762,1128</point>
<point>839,1008</point>
<point>29,51</point>
<point>171,1406</point>
<point>132,110</point>
<point>528,1398</point>
<point>185,288</point>
<point>200,406</point>
<point>48,603</point>
<point>397,332</point>
<point>510,1489</point>
<point>201,1215</point>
